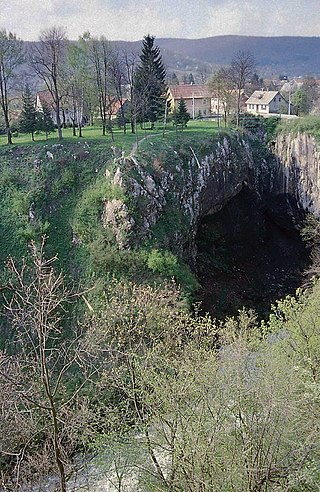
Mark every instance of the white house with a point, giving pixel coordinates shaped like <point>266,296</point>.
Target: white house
<point>266,102</point>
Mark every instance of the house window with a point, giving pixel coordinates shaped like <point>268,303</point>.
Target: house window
<point>263,106</point>
<point>204,101</point>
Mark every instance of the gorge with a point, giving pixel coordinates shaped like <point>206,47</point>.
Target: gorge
<point>232,209</point>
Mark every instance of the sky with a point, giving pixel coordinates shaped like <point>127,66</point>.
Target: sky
<point>130,20</point>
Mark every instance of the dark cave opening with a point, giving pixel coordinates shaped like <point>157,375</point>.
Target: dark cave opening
<point>250,254</point>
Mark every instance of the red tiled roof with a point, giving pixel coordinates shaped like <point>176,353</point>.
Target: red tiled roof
<point>188,91</point>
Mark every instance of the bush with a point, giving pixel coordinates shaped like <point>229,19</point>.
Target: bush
<point>88,211</point>
<point>167,265</point>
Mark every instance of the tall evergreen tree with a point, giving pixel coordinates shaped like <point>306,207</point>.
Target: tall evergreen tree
<point>44,120</point>
<point>28,120</point>
<point>150,88</point>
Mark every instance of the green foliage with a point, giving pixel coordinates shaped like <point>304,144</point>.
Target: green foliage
<point>44,120</point>
<point>28,118</point>
<point>180,115</point>
<point>87,219</point>
<point>237,419</point>
<point>167,265</point>
<point>149,82</point>
<point>301,102</point>
<point>307,124</point>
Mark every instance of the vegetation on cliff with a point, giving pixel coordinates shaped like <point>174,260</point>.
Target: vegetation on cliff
<point>118,371</point>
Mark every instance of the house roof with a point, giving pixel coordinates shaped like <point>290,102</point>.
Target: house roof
<point>45,97</point>
<point>189,91</point>
<point>262,97</point>
<point>116,105</point>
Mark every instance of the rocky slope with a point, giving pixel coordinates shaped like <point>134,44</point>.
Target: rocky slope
<point>298,170</point>
<point>178,187</point>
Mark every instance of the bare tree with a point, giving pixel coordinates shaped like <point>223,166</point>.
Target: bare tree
<point>130,61</point>
<point>42,372</point>
<point>117,71</point>
<point>240,72</point>
<point>100,55</point>
<point>11,56</point>
<point>221,89</point>
<point>47,60</point>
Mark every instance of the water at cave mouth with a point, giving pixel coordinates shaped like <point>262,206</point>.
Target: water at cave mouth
<point>249,255</point>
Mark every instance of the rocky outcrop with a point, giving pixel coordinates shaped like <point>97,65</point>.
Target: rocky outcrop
<point>298,170</point>
<point>174,190</point>
<point>188,185</point>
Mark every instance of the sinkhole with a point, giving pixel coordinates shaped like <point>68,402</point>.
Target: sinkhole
<point>250,254</point>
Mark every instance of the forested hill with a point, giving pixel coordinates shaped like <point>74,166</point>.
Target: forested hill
<point>292,55</point>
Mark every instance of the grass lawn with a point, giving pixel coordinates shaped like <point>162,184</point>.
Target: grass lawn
<point>196,128</point>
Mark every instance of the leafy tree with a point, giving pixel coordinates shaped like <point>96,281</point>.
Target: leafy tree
<point>256,82</point>
<point>11,56</point>
<point>310,87</point>
<point>28,122</point>
<point>181,115</point>
<point>221,88</point>
<point>301,101</point>
<point>149,84</point>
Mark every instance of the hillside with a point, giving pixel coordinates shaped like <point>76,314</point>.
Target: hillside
<point>286,54</point>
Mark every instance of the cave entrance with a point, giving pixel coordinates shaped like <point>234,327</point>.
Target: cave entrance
<point>250,253</point>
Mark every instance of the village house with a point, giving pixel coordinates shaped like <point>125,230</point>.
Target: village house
<point>44,98</point>
<point>200,101</point>
<point>196,97</point>
<point>228,102</point>
<point>266,102</point>
<point>68,114</point>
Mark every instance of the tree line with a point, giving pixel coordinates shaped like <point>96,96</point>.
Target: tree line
<point>88,76</point>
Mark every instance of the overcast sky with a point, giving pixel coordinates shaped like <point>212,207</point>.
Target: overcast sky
<point>132,19</point>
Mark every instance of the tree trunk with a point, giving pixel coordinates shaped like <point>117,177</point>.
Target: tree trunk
<point>59,122</point>
<point>8,131</point>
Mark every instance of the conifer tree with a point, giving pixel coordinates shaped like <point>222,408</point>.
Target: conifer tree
<point>181,115</point>
<point>44,120</point>
<point>28,120</point>
<point>150,88</point>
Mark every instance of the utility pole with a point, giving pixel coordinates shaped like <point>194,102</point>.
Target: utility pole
<point>289,107</point>
<point>165,117</point>
<point>193,105</point>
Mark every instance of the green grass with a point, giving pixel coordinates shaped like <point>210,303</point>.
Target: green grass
<point>308,124</point>
<point>196,128</point>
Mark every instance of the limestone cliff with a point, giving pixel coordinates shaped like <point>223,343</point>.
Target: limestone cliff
<point>170,192</point>
<point>181,186</point>
<point>298,170</point>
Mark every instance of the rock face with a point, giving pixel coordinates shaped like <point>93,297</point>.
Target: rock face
<point>298,170</point>
<point>188,185</point>
<point>170,193</point>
